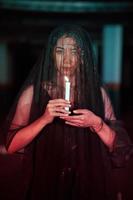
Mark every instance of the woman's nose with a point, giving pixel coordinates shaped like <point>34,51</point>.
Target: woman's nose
<point>67,58</point>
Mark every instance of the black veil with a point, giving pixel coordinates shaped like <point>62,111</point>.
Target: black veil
<point>63,162</point>
<point>43,76</point>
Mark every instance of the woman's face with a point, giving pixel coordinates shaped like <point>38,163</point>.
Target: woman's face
<point>66,55</point>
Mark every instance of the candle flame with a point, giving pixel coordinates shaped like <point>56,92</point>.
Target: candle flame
<point>66,78</point>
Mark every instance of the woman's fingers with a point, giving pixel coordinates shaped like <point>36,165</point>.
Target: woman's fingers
<point>73,124</point>
<point>82,111</point>
<point>58,114</point>
<point>60,110</point>
<point>59,102</point>
<point>85,118</point>
<point>59,105</point>
<point>56,108</point>
<point>74,118</point>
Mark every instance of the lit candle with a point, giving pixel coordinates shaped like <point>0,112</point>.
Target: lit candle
<point>67,90</point>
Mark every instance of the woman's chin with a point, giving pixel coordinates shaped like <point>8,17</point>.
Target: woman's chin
<point>67,73</point>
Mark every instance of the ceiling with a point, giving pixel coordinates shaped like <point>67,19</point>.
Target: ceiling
<point>68,6</point>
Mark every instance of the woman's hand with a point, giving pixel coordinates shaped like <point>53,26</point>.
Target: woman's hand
<point>83,118</point>
<point>56,108</point>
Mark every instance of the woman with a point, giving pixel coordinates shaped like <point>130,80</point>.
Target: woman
<point>67,143</point>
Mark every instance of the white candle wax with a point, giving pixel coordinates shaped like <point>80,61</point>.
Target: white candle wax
<point>67,90</point>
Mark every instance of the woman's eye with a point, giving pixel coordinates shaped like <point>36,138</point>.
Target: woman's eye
<point>59,51</point>
<point>74,51</point>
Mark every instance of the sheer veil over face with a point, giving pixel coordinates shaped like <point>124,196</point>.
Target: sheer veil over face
<point>67,56</point>
<point>70,53</point>
<point>67,62</point>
